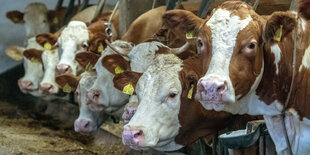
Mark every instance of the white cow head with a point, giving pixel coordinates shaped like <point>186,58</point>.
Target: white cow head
<point>73,39</point>
<point>35,19</point>
<point>155,123</point>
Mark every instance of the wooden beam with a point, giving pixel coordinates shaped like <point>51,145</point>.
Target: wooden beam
<point>131,9</point>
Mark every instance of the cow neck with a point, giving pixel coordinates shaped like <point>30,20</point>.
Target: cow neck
<point>300,95</point>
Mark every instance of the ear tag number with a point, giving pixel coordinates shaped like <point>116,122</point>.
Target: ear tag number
<point>190,92</point>
<point>278,34</point>
<point>100,48</point>
<point>89,67</point>
<point>34,60</point>
<point>55,20</point>
<point>67,88</point>
<point>118,70</point>
<point>47,46</point>
<point>189,35</point>
<point>128,89</point>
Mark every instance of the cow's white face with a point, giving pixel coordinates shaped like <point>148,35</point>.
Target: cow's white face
<point>88,121</point>
<point>50,60</point>
<point>73,39</point>
<point>155,123</point>
<point>107,97</point>
<point>235,68</point>
<point>33,70</point>
<point>36,19</point>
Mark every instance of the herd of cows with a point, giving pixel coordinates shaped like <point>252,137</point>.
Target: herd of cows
<point>174,77</point>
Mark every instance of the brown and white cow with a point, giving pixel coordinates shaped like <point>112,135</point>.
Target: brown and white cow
<point>168,117</point>
<point>249,60</point>
<point>38,19</point>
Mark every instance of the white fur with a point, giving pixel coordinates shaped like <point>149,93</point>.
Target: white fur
<point>224,29</point>
<point>157,115</point>
<point>35,14</point>
<point>50,60</point>
<point>306,59</point>
<point>70,41</point>
<point>275,49</point>
<point>298,132</point>
<point>303,24</point>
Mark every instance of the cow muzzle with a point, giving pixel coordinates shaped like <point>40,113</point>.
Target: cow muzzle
<point>46,89</point>
<point>133,136</point>
<point>211,92</point>
<point>25,86</point>
<point>63,69</point>
<point>129,110</point>
<point>84,126</point>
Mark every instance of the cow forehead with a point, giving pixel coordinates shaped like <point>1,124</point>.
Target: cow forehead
<point>87,79</point>
<point>76,31</point>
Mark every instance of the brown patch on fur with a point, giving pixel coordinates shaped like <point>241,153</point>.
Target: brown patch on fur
<point>121,80</point>
<point>15,16</point>
<point>96,40</point>
<point>84,58</point>
<point>304,9</point>
<point>33,53</point>
<point>287,19</point>
<point>110,62</point>
<point>71,80</point>
<point>46,37</point>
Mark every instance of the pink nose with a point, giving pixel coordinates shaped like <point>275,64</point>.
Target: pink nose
<point>63,69</point>
<point>93,96</point>
<point>26,85</point>
<point>211,89</point>
<point>132,136</point>
<point>84,126</point>
<point>129,111</point>
<point>46,88</point>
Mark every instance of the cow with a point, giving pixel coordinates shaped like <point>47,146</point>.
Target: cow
<point>168,117</point>
<point>38,19</point>
<point>74,39</point>
<point>250,67</point>
<point>29,83</point>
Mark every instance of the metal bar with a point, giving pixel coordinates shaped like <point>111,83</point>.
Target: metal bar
<point>59,4</point>
<point>171,4</point>
<point>204,8</point>
<point>84,5</point>
<point>69,12</point>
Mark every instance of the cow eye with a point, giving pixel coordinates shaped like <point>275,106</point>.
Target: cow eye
<point>200,44</point>
<point>84,45</point>
<point>251,46</point>
<point>172,95</point>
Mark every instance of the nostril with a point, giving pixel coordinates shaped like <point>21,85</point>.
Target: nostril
<point>138,134</point>
<point>86,125</point>
<point>222,87</point>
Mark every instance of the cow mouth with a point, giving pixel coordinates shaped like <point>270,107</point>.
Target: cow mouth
<point>213,104</point>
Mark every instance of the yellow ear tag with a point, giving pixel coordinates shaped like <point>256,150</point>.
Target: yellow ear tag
<point>278,34</point>
<point>118,70</point>
<point>128,89</point>
<point>47,46</point>
<point>67,88</point>
<point>100,48</point>
<point>16,57</point>
<point>55,20</point>
<point>89,67</point>
<point>189,35</point>
<point>190,92</point>
<point>16,20</point>
<point>34,60</point>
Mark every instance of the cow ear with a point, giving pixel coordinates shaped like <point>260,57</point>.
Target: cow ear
<point>303,9</point>
<point>181,21</point>
<point>15,16</point>
<point>44,38</point>
<point>33,55</point>
<point>87,59</point>
<point>67,82</point>
<point>97,43</point>
<point>52,17</point>
<point>15,52</point>
<point>279,25</point>
<point>126,78</point>
<point>115,64</point>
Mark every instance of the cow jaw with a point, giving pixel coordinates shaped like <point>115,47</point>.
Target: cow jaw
<point>71,42</point>
<point>157,115</point>
<point>225,28</point>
